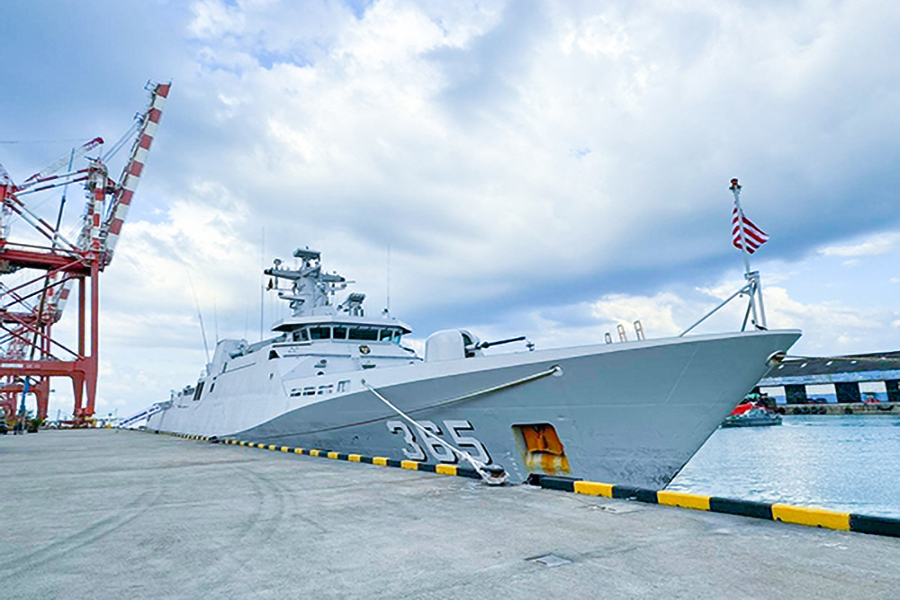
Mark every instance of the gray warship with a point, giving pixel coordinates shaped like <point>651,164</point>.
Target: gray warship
<point>334,378</point>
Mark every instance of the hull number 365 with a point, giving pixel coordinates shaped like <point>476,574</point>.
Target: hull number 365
<point>441,453</point>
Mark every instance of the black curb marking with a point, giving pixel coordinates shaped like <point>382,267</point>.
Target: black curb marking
<point>876,525</point>
<point>465,472</point>
<point>632,493</point>
<point>564,484</point>
<point>744,508</point>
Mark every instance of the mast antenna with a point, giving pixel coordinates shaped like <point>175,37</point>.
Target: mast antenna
<point>199,316</point>
<point>262,284</point>
<point>388,282</point>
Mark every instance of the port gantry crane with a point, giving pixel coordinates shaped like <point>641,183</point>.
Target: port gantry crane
<point>29,352</point>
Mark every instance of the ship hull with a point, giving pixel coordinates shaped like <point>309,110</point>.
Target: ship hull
<point>628,414</point>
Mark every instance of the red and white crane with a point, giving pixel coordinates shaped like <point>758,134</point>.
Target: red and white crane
<point>29,353</point>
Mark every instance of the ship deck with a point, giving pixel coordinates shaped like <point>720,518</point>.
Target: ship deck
<point>119,514</point>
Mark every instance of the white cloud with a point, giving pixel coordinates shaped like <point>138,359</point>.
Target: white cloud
<point>214,19</point>
<point>875,245</point>
<point>597,35</point>
<point>655,313</point>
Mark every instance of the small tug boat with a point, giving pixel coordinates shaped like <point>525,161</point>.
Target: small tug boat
<point>753,412</point>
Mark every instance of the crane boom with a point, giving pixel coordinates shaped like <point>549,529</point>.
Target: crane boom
<point>121,201</point>
<point>62,161</point>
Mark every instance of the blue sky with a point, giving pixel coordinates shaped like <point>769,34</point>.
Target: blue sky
<point>538,168</point>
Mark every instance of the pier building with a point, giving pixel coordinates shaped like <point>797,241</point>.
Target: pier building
<point>851,378</point>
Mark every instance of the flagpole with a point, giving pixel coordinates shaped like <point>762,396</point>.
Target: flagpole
<point>736,190</point>
<point>752,277</point>
<point>752,288</point>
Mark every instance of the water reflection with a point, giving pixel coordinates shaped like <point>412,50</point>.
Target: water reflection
<point>845,463</point>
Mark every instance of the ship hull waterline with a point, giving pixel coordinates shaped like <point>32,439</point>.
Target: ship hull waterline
<point>628,414</point>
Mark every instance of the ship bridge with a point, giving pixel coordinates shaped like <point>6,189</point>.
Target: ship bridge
<point>342,327</point>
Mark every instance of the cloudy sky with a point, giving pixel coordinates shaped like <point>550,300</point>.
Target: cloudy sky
<point>514,167</point>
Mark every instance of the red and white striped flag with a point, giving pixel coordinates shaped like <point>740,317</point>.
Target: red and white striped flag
<point>753,235</point>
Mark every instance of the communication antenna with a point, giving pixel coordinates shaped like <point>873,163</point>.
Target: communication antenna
<point>388,282</point>
<point>262,283</point>
<point>199,316</point>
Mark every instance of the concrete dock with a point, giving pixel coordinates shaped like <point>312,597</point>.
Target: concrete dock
<point>118,514</point>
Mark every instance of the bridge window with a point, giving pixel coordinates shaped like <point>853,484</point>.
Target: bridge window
<point>320,333</point>
<point>364,333</point>
<point>301,335</point>
<point>340,332</point>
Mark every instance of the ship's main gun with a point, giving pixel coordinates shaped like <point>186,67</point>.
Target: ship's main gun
<point>481,345</point>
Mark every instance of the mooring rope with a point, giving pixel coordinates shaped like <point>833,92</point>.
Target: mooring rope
<point>487,474</point>
<point>479,466</point>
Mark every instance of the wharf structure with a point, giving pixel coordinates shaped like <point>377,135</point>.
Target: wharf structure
<point>845,373</point>
<point>179,519</point>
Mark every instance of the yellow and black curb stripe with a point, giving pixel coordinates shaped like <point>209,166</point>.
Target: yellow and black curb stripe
<point>199,438</point>
<point>799,515</point>
<point>441,469</point>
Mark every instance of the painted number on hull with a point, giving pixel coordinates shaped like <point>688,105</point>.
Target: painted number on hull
<point>440,452</point>
<point>414,452</point>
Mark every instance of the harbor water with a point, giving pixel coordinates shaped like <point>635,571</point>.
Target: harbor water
<point>845,463</point>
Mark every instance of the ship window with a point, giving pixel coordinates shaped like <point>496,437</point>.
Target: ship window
<point>310,391</point>
<point>326,389</point>
<point>301,335</point>
<point>364,333</point>
<point>198,391</point>
<point>320,333</point>
<point>340,332</point>
<point>386,335</point>
<point>342,385</point>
